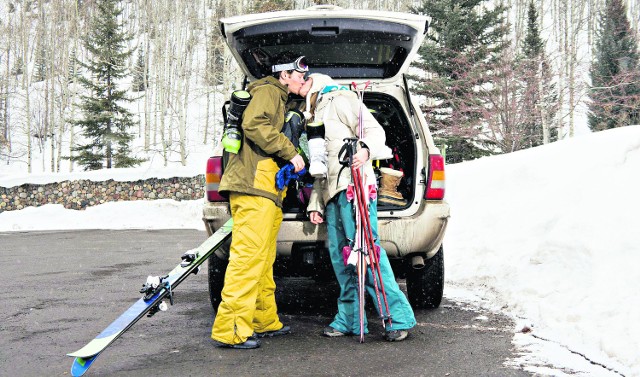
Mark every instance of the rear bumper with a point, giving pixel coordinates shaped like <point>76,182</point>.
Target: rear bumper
<point>421,233</point>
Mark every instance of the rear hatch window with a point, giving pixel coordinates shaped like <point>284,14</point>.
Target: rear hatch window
<point>372,45</point>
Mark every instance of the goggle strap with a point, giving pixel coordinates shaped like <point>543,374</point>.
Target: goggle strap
<point>296,65</point>
<point>283,67</point>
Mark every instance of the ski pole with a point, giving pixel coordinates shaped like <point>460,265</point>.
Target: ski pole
<point>370,246</point>
<point>374,257</point>
<point>371,241</point>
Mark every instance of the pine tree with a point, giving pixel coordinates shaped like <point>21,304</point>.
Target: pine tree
<point>18,66</point>
<point>105,122</point>
<point>615,77</point>
<point>40,64</point>
<point>73,66</point>
<point>533,45</point>
<point>540,95</point>
<point>463,41</point>
<point>139,76</point>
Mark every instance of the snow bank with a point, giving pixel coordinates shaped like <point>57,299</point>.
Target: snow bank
<point>551,234</point>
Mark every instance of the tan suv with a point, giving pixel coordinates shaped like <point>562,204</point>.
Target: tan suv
<point>350,46</point>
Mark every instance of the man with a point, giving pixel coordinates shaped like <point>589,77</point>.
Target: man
<point>248,308</point>
<point>338,108</point>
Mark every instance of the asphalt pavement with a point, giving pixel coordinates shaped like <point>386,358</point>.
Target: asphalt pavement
<point>62,288</point>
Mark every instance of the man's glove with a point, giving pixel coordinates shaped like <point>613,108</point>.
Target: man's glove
<point>286,174</point>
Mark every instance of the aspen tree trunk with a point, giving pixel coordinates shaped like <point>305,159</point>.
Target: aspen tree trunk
<point>162,113</point>
<point>206,119</point>
<point>157,67</point>
<point>189,72</point>
<point>634,12</point>
<point>546,133</point>
<point>147,96</point>
<point>3,93</point>
<point>169,96</point>
<point>571,61</point>
<point>171,51</point>
<point>591,21</point>
<point>578,28</point>
<point>184,80</point>
<point>5,120</point>
<point>556,58</point>
<point>183,113</point>
<point>25,81</point>
<point>52,49</point>
<point>64,103</point>
<point>564,63</point>
<point>62,73</point>
<point>157,105</point>
<point>542,111</point>
<point>41,36</point>
<point>180,71</point>
<point>207,73</point>
<point>45,119</point>
<point>148,23</point>
<point>74,81</point>
<point>519,10</point>
<point>51,108</point>
<point>160,64</point>
<point>74,88</point>
<point>162,92</point>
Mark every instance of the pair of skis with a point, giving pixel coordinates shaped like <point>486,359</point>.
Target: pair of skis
<point>368,251</point>
<point>155,291</point>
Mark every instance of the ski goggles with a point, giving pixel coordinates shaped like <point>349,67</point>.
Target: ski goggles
<point>299,65</point>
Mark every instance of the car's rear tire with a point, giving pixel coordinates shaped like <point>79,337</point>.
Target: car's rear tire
<point>425,286</point>
<point>217,269</point>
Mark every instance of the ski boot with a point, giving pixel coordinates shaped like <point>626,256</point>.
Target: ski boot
<point>317,150</point>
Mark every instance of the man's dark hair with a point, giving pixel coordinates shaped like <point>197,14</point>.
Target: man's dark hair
<point>283,58</point>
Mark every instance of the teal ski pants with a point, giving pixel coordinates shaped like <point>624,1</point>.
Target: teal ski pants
<point>341,227</point>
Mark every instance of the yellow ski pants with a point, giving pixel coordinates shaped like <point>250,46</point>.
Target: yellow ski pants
<point>248,296</point>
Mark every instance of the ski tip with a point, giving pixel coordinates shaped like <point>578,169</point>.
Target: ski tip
<point>81,365</point>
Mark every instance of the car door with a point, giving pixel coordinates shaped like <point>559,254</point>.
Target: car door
<point>344,44</point>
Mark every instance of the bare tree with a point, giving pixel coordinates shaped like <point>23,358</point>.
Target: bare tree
<point>184,69</point>
<point>146,29</point>
<point>26,82</point>
<point>216,77</point>
<point>5,57</point>
<point>510,117</point>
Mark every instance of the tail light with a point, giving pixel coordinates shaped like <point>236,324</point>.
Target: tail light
<point>212,179</point>
<point>435,180</point>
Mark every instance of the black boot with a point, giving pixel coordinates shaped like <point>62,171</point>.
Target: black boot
<point>283,331</point>
<point>251,343</point>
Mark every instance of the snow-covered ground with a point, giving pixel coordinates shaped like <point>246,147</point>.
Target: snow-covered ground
<point>550,234</point>
<point>547,235</point>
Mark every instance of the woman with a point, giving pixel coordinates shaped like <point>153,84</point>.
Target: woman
<point>339,109</point>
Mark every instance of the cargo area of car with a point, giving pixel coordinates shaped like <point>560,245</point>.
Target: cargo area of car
<point>400,138</point>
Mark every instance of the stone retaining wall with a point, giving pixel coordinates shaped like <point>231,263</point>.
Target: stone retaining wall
<point>84,193</point>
